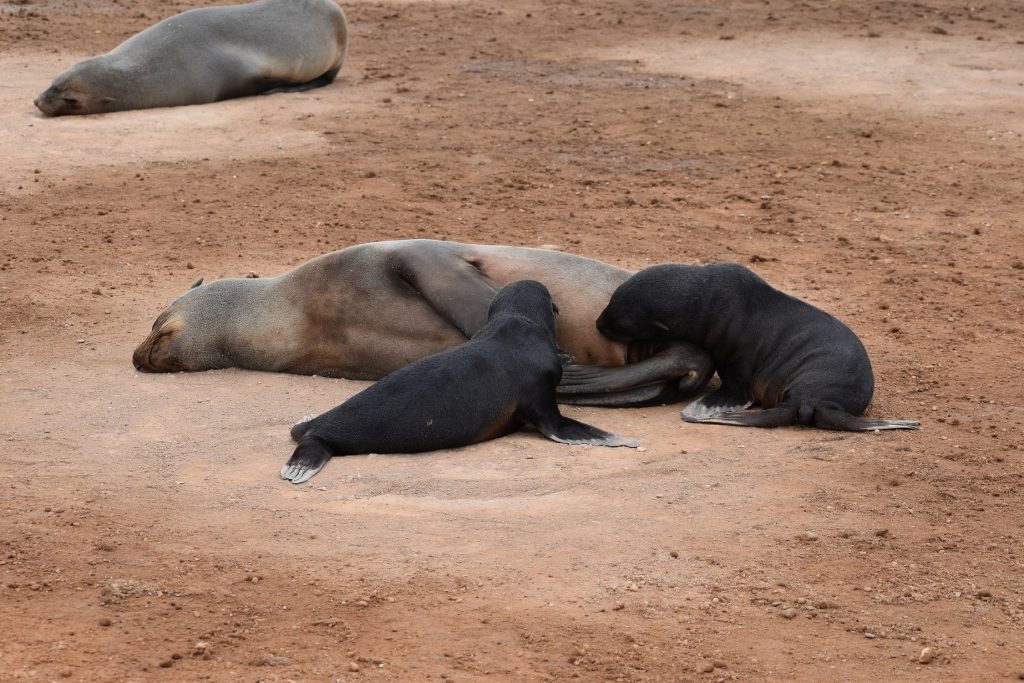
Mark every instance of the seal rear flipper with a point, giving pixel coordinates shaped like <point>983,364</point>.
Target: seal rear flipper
<point>688,364</point>
<point>300,428</point>
<point>309,458</point>
<point>833,418</point>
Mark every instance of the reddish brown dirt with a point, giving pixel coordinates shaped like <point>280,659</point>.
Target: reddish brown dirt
<point>864,156</point>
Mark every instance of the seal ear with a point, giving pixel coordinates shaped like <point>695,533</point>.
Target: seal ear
<point>196,283</point>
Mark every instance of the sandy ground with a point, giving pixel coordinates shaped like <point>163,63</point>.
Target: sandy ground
<point>864,156</point>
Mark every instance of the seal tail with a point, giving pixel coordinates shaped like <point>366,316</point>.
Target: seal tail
<point>308,459</point>
<point>840,420</point>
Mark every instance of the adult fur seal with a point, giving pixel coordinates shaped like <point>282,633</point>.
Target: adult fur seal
<point>502,378</point>
<point>798,362</point>
<point>208,54</point>
<point>371,309</point>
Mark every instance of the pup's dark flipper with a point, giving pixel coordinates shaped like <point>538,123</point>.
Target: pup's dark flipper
<point>301,427</point>
<point>780,416</point>
<point>831,418</point>
<point>680,362</point>
<point>709,408</point>
<point>308,459</point>
<point>570,431</point>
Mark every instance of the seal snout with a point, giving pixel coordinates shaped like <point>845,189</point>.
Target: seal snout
<point>141,357</point>
<point>48,102</point>
<point>42,105</point>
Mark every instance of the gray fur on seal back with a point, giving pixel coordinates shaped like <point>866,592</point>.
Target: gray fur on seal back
<point>206,55</point>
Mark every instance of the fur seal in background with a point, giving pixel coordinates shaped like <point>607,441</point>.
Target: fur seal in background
<point>796,361</point>
<point>208,54</point>
<point>366,311</point>
<point>502,378</point>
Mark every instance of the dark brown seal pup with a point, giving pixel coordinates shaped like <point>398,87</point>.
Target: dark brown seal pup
<point>371,309</point>
<point>801,364</point>
<point>208,54</point>
<point>502,378</point>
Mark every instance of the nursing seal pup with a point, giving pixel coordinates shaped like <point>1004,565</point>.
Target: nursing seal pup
<point>498,381</point>
<point>209,54</point>
<point>770,349</point>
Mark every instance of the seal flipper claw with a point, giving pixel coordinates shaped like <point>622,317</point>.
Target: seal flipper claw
<point>309,458</point>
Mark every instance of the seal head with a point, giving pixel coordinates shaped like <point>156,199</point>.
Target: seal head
<point>185,336</point>
<point>76,92</point>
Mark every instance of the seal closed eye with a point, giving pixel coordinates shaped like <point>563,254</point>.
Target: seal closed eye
<point>771,349</point>
<point>502,378</point>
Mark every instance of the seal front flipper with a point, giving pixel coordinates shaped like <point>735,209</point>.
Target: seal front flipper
<point>832,418</point>
<point>779,416</point>
<point>707,408</point>
<point>552,424</point>
<point>455,288</point>
<point>309,458</point>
